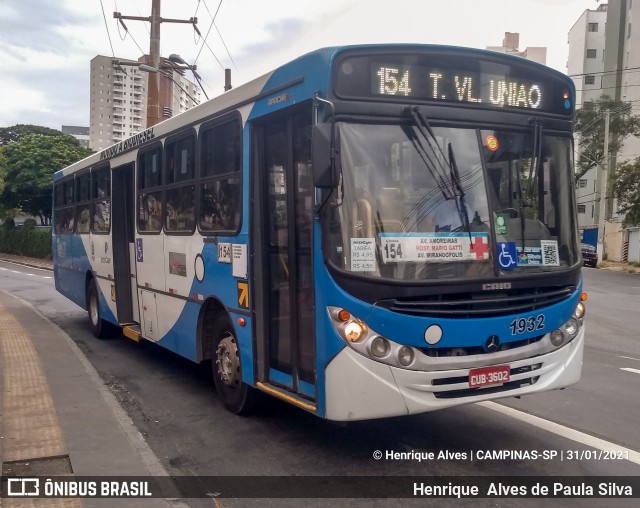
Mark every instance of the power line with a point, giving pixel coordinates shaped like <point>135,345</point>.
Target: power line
<point>121,22</point>
<point>204,41</point>
<point>618,71</point>
<point>107,27</point>
<point>219,34</point>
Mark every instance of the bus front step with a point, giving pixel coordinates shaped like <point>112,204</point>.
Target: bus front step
<point>132,332</point>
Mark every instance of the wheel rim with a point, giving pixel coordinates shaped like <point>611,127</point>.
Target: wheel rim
<point>228,361</point>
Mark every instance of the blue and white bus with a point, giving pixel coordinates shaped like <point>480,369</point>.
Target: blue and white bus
<point>366,231</point>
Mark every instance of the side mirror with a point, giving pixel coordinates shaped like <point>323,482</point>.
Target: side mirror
<point>325,155</point>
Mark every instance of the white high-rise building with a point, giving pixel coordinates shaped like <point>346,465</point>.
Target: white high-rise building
<point>613,59</point>
<point>118,96</point>
<point>118,101</point>
<point>585,66</point>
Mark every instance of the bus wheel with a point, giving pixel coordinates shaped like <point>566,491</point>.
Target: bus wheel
<point>98,325</point>
<point>236,396</point>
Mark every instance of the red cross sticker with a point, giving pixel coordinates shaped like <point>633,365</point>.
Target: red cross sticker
<point>480,246</point>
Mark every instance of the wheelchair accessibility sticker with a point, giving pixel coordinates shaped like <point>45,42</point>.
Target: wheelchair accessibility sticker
<point>507,255</point>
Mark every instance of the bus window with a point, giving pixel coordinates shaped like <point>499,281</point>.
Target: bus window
<point>180,198</point>
<point>101,201</point>
<point>220,190</point>
<point>181,215</point>
<point>83,195</point>
<point>149,191</point>
<point>64,207</point>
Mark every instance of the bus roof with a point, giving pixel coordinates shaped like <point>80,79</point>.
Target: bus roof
<point>307,74</point>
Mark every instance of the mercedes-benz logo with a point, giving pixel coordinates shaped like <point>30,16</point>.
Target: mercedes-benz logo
<point>492,345</point>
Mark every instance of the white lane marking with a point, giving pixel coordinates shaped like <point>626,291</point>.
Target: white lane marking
<point>25,273</point>
<point>630,358</point>
<point>561,430</point>
<point>635,371</point>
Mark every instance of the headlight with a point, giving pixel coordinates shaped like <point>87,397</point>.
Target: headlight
<point>568,331</point>
<point>580,310</point>
<point>557,338</point>
<point>571,327</point>
<point>405,356</point>
<point>367,342</point>
<point>380,347</point>
<point>354,331</point>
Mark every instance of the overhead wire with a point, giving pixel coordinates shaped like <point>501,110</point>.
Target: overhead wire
<point>113,53</point>
<point>219,34</point>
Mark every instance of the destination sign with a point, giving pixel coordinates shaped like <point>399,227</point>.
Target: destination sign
<point>442,85</point>
<point>455,75</point>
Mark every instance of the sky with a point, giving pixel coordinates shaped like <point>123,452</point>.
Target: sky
<point>46,45</point>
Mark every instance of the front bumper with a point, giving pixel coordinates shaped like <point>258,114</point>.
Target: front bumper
<point>358,388</point>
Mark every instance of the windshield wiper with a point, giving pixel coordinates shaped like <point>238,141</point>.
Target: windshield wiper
<point>430,157</point>
<point>526,198</point>
<point>461,205</point>
<point>451,185</point>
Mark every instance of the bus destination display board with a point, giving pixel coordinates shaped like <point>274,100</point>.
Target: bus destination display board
<point>455,78</point>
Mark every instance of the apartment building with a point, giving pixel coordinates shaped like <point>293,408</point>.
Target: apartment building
<point>118,98</point>
<point>612,69</point>
<point>585,66</point>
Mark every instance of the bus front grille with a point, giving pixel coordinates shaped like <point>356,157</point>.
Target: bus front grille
<point>479,305</point>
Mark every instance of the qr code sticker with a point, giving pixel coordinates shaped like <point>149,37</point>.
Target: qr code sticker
<point>550,255</point>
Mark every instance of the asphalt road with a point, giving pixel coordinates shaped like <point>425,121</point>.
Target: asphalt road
<point>174,406</point>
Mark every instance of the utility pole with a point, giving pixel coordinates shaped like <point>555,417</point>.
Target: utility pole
<point>153,89</point>
<point>604,179</point>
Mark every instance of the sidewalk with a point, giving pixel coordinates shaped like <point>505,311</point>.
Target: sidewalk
<point>57,418</point>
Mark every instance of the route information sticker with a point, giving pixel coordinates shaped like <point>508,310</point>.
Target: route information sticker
<point>363,254</point>
<point>434,247</point>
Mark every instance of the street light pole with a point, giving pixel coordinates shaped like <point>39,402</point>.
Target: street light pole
<point>604,179</point>
<point>153,89</point>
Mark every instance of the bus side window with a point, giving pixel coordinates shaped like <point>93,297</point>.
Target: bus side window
<point>83,213</point>
<point>149,191</point>
<point>101,200</point>
<point>181,191</point>
<point>221,187</point>
<point>64,220</point>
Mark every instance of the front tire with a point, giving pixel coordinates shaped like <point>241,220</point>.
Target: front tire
<point>98,325</point>
<point>236,396</point>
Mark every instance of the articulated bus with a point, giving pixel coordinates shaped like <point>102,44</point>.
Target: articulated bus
<point>367,231</point>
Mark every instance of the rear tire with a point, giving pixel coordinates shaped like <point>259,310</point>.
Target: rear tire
<point>236,396</point>
<point>98,325</point>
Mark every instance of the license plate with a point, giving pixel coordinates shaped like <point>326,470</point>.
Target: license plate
<point>487,376</point>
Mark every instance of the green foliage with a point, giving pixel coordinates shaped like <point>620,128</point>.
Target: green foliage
<point>627,190</point>
<point>8,224</point>
<point>26,241</point>
<point>29,224</point>
<point>27,166</point>
<point>590,130</point>
<point>14,134</point>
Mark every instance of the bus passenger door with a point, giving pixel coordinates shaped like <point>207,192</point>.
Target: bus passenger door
<point>123,240</point>
<point>283,225</point>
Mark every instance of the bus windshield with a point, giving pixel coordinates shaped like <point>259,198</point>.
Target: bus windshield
<point>444,202</point>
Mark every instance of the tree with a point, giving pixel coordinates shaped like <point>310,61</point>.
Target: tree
<point>27,166</point>
<point>590,130</point>
<point>627,190</point>
<point>15,133</point>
